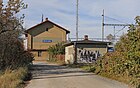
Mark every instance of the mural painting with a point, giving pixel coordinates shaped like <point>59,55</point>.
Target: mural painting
<point>87,56</point>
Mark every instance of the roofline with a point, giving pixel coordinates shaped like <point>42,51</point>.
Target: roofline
<point>67,31</point>
<point>38,49</point>
<point>77,42</point>
<point>91,42</point>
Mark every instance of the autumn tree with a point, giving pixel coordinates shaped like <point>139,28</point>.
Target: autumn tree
<point>8,12</point>
<point>12,53</point>
<point>124,63</point>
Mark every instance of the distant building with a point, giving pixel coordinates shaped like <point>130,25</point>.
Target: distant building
<point>85,51</point>
<point>22,38</point>
<point>41,36</point>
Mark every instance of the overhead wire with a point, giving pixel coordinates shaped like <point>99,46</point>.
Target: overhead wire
<point>115,19</point>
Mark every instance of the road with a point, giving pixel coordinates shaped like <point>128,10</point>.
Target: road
<point>54,76</point>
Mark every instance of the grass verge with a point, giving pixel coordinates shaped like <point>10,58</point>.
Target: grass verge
<point>14,78</point>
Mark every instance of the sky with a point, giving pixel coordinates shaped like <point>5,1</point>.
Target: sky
<point>63,12</point>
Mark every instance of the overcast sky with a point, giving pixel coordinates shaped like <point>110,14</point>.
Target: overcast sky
<point>63,13</point>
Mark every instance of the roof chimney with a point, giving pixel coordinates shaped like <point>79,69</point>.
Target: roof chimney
<point>42,18</point>
<point>86,37</point>
<point>46,19</point>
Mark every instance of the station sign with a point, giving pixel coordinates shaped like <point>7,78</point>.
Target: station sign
<point>46,41</point>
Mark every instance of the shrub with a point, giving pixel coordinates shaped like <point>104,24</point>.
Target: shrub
<point>124,63</point>
<point>13,78</point>
<point>56,52</point>
<point>12,53</point>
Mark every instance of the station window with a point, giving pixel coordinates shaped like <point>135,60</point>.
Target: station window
<point>46,29</point>
<point>39,53</point>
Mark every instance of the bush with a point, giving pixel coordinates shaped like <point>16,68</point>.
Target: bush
<point>56,52</point>
<point>12,53</point>
<point>13,78</point>
<point>124,63</point>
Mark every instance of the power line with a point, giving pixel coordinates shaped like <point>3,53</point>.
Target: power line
<point>115,19</point>
<point>114,25</point>
<point>120,30</point>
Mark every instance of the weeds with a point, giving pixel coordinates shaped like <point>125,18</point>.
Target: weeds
<point>13,78</point>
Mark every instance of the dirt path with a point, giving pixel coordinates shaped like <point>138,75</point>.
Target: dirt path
<point>54,76</point>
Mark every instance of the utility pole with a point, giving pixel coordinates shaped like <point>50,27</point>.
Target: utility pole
<point>77,19</point>
<point>42,18</point>
<point>114,25</point>
<point>103,26</point>
<point>114,34</point>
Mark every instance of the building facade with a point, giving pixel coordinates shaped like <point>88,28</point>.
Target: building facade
<point>41,36</point>
<point>85,51</point>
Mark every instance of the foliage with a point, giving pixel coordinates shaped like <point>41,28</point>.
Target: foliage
<point>124,63</point>
<point>8,19</point>
<point>12,53</point>
<point>56,49</point>
<point>13,58</point>
<point>56,53</point>
<point>13,78</point>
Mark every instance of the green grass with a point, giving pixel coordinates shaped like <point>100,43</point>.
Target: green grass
<point>13,78</point>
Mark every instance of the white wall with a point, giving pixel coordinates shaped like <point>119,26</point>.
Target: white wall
<point>23,37</point>
<point>69,54</point>
<point>25,43</point>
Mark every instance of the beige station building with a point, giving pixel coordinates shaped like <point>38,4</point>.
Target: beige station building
<point>41,36</point>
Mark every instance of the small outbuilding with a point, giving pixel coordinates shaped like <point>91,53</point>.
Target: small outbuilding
<point>85,51</point>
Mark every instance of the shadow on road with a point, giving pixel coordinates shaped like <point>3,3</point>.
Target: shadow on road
<point>60,76</point>
<point>55,76</point>
<point>41,71</point>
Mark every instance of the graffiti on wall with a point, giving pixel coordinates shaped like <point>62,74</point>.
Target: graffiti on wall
<point>87,56</point>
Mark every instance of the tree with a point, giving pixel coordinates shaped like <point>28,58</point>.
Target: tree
<point>8,19</point>
<point>125,61</point>
<point>12,53</point>
<point>57,49</point>
<point>129,47</point>
<point>110,37</point>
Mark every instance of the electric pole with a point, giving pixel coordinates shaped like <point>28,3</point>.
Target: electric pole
<point>103,26</point>
<point>77,19</point>
<point>42,18</point>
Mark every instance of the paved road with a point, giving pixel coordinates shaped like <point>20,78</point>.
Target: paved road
<point>54,76</point>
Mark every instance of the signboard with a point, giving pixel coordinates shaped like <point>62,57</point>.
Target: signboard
<point>46,41</point>
<point>110,49</point>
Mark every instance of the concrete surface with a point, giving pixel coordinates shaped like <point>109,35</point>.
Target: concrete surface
<point>54,76</point>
